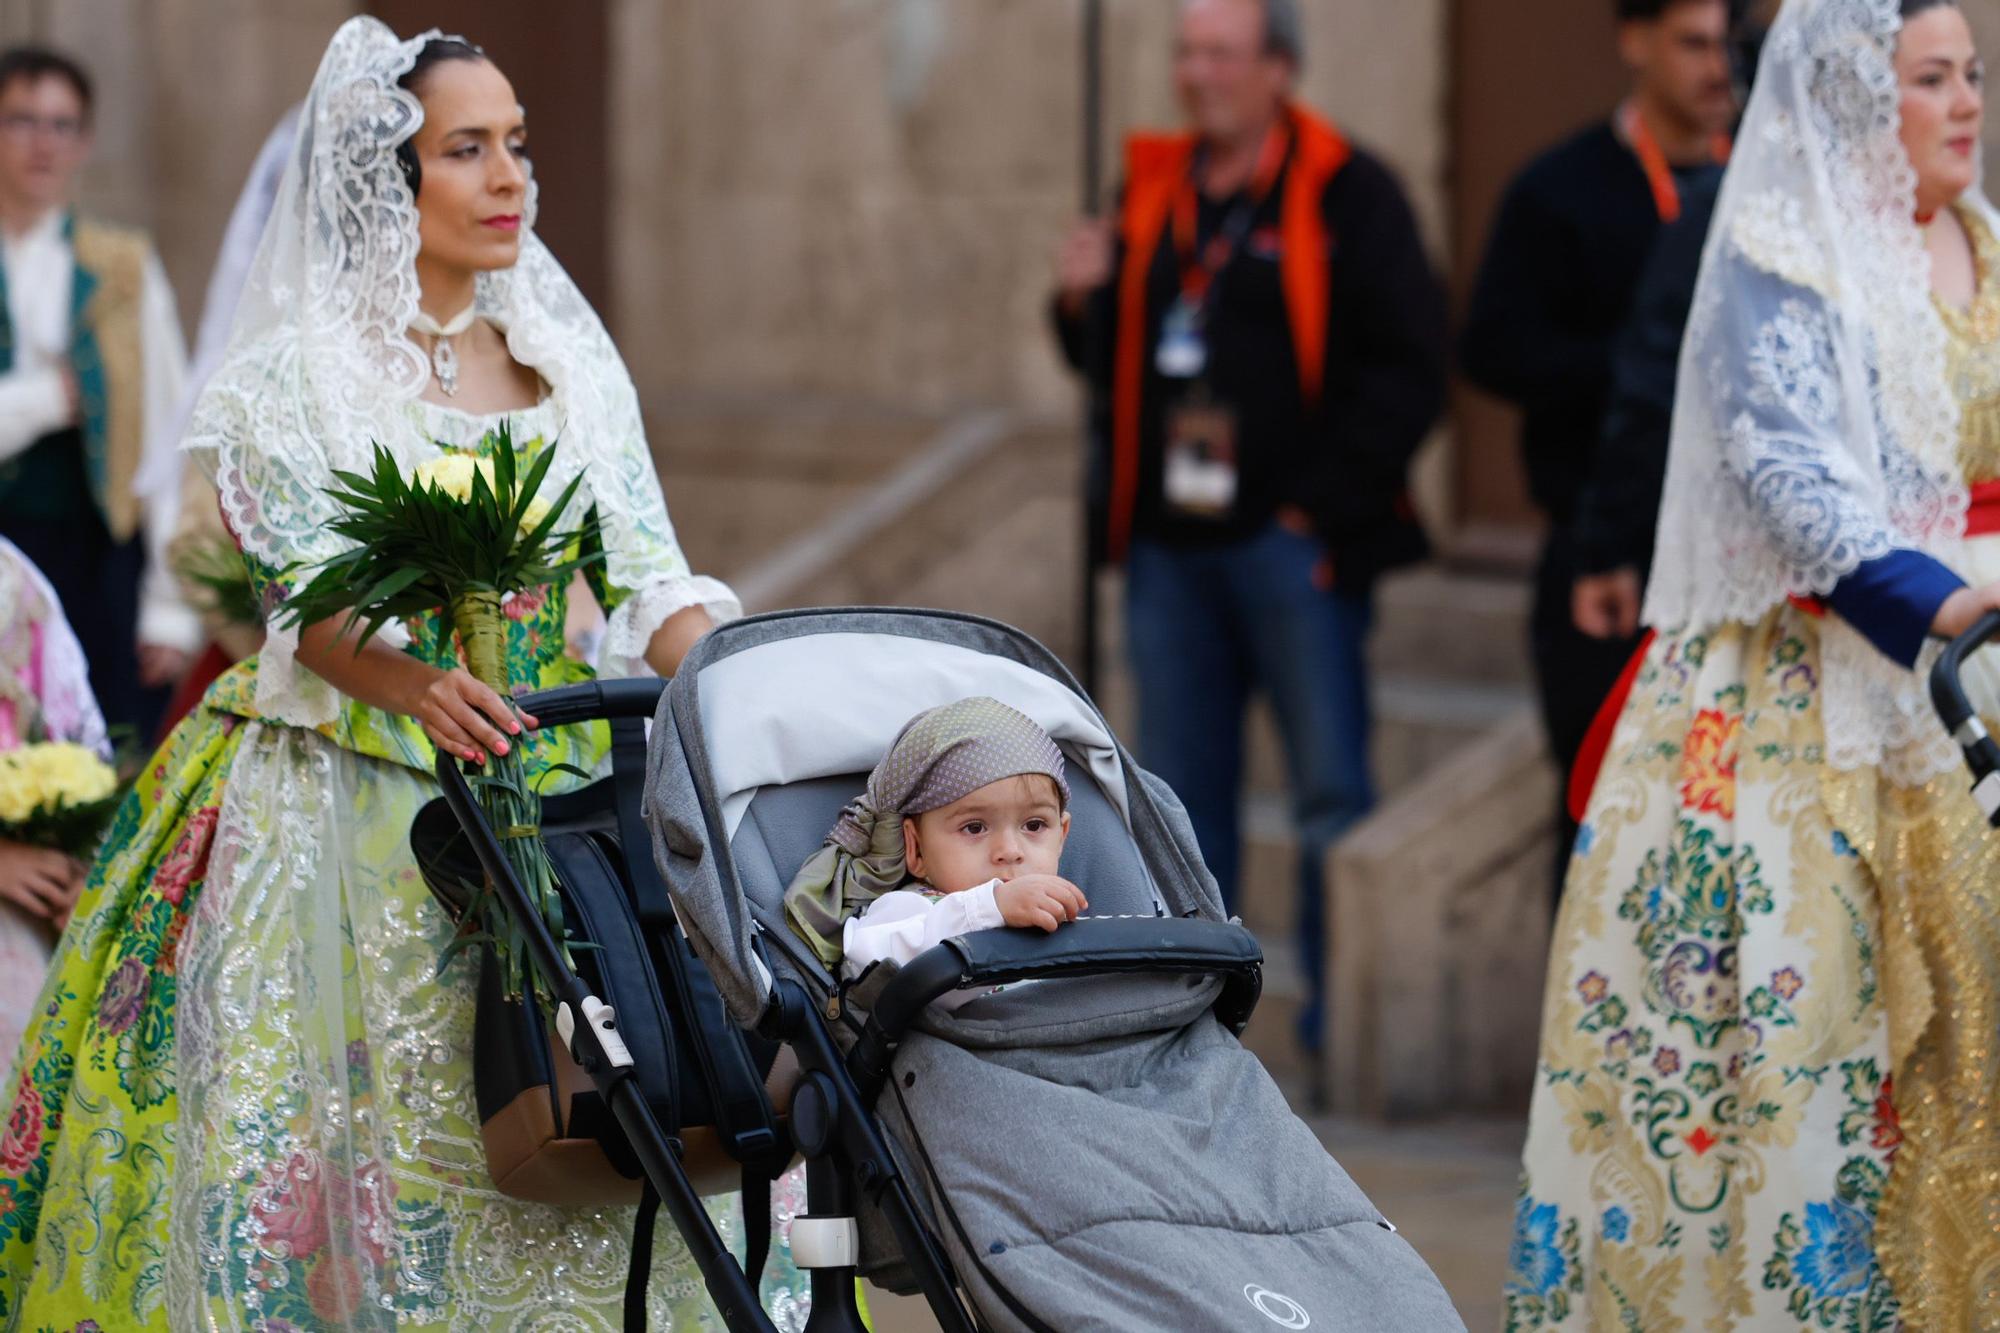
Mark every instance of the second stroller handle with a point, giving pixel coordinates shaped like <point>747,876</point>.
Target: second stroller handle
<point>1948,696</point>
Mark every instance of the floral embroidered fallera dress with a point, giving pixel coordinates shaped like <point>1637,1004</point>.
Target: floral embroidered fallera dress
<point>173,1158</point>
<point>1769,1085</point>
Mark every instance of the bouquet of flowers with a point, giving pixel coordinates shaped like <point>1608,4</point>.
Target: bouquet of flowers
<point>57,794</point>
<point>460,534</point>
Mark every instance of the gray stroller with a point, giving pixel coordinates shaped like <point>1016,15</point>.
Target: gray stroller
<point>1095,1151</point>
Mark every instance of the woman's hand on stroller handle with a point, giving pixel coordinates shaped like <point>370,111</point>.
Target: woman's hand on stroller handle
<point>462,715</point>
<point>1039,902</point>
<point>1961,612</point>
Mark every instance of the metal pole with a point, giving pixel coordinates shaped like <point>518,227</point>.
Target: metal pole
<point>1093,193</point>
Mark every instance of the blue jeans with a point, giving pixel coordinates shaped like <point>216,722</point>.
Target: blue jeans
<point>1204,627</point>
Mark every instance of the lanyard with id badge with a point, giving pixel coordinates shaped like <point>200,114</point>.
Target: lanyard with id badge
<point>1201,468</point>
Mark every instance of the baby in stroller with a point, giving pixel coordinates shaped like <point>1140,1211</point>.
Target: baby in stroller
<point>1169,1185</point>
<point>971,807</point>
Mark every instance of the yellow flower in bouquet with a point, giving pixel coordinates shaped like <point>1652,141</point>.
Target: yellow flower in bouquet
<point>20,793</point>
<point>453,474</point>
<point>55,794</point>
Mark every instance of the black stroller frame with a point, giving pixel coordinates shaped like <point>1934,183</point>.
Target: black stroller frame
<point>848,1159</point>
<point>1982,753</point>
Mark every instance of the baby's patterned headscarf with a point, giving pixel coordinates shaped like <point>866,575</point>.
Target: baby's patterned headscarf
<point>941,756</point>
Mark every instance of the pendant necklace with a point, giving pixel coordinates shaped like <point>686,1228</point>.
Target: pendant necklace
<point>444,360</point>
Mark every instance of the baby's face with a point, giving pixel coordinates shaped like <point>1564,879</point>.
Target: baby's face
<point>1005,830</point>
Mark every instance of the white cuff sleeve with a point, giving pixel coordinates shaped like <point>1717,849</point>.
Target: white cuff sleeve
<point>33,403</point>
<point>630,629</point>
<point>898,926</point>
<point>169,623</point>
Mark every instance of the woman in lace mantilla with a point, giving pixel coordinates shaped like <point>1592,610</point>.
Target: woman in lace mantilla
<point>1771,1041</point>
<point>245,1101</point>
<point>44,696</point>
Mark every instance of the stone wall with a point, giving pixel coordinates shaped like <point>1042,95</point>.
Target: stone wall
<point>862,197</point>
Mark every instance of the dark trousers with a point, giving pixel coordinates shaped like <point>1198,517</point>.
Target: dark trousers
<point>1206,626</point>
<point>1573,675</point>
<point>97,581</point>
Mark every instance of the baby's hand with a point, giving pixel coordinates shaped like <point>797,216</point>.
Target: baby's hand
<point>1042,901</point>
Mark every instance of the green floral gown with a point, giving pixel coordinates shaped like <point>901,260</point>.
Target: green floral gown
<point>245,1101</point>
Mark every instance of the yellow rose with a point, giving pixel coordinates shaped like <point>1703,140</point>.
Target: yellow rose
<point>17,793</point>
<point>75,775</point>
<point>46,776</point>
<point>453,473</point>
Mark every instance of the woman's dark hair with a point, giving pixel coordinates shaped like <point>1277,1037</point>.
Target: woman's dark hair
<point>435,52</point>
<point>35,63</point>
<point>1912,8</point>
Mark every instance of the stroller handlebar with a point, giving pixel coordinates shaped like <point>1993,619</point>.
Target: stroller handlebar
<point>594,700</point>
<point>1090,947</point>
<point>1948,696</point>
<point>1105,944</point>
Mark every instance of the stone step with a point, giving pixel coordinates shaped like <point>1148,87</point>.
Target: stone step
<point>1438,929</point>
<point>1440,624</point>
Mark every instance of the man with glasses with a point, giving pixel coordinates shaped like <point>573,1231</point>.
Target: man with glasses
<point>1268,336</point>
<point>91,370</point>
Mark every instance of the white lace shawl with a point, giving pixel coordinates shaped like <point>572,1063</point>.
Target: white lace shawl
<point>320,368</point>
<point>35,637</point>
<point>1814,427</point>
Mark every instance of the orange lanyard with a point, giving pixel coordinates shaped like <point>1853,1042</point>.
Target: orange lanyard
<point>1659,175</point>
<point>1198,272</point>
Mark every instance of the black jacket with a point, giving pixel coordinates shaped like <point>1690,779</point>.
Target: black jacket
<point>1556,287</point>
<point>1619,505</point>
<point>1346,462</point>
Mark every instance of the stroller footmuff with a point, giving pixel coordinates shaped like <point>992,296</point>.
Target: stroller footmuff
<point>1126,1165</point>
<point>1092,1151</point>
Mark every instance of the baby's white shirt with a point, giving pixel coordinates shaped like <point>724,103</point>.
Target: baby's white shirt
<point>898,926</point>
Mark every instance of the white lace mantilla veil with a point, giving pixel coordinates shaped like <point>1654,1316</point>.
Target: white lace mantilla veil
<point>67,706</point>
<point>320,367</point>
<point>1814,427</point>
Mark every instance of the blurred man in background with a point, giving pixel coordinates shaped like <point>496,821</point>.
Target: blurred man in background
<point>1573,234</point>
<point>91,368</point>
<point>1619,502</point>
<point>1269,339</point>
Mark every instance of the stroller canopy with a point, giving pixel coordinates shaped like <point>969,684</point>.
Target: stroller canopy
<point>773,724</point>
